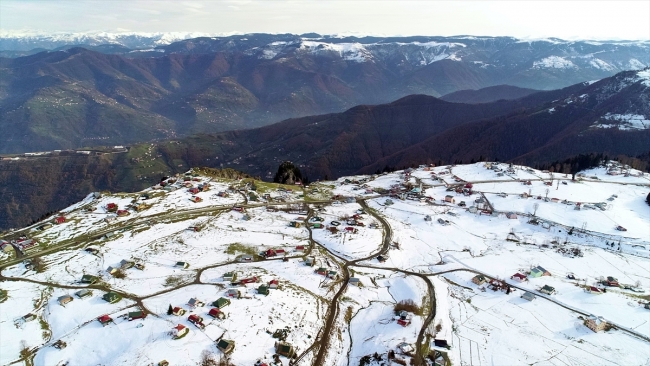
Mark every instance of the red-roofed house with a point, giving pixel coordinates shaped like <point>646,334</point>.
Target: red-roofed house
<point>300,248</point>
<point>59,220</point>
<point>180,330</point>
<point>518,277</point>
<point>105,320</point>
<point>216,313</point>
<point>274,284</point>
<point>178,311</point>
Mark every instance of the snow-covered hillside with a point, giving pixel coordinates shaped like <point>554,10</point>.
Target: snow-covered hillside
<point>423,264</point>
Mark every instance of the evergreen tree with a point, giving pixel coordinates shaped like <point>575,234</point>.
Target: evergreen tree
<point>170,311</point>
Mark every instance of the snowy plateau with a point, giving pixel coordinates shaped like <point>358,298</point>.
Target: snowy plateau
<point>455,265</point>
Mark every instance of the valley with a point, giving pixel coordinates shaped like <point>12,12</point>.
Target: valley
<point>320,274</point>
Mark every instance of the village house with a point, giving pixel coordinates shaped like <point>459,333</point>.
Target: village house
<point>221,303</point>
<point>594,290</point>
<point>225,345</point>
<point>300,248</point>
<point>233,293</point>
<point>310,261</point>
<point>195,303</point>
<point>404,318</point>
<point>274,284</point>
<point>105,320</point>
<point>405,348</point>
<point>353,281</point>
<point>596,323</point>
<point>133,315</point>
<point>196,199</point>
<point>548,290</point>
<point>229,276</point>
<point>322,271</point>
<point>611,282</point>
<point>112,297</point>
<point>528,296</point>
<point>263,290</point>
<point>196,320</point>
<point>332,274</point>
<point>511,215</point>
<point>246,258</point>
<point>59,220</point>
<point>450,199</point>
<point>89,279</point>
<point>65,299</point>
<point>216,313</point>
<point>82,294</point>
<point>111,207</point>
<point>519,277</point>
<point>539,272</point>
<point>178,311</point>
<point>284,349</point>
<point>183,265</point>
<point>180,331</point>
<point>124,264</point>
<point>479,280</point>
<point>112,270</point>
<point>29,317</point>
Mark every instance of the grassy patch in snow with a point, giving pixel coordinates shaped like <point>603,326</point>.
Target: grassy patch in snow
<point>238,248</point>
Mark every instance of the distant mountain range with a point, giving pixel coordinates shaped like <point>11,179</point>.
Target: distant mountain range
<point>129,88</point>
<point>610,116</point>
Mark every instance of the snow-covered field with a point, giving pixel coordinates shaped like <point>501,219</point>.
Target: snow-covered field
<point>436,248</point>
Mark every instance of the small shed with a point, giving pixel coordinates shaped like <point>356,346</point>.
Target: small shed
<point>233,293</point>
<point>263,290</point>
<point>450,199</point>
<point>59,220</point>
<point>511,215</point>
<point>284,349</point>
<point>528,296</point>
<point>183,265</point>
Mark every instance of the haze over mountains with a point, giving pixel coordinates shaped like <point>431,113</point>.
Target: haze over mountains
<point>77,97</point>
<point>608,116</point>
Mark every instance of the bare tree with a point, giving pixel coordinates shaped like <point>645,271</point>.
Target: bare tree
<point>535,207</point>
<point>546,192</point>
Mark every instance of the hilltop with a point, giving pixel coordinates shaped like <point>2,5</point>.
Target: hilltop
<point>321,273</point>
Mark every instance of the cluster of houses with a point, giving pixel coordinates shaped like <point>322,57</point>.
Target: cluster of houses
<point>24,245</point>
<point>110,297</point>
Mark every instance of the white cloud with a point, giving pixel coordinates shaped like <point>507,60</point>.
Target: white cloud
<point>536,19</point>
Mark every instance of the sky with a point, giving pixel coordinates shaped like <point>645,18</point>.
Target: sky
<point>613,20</point>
